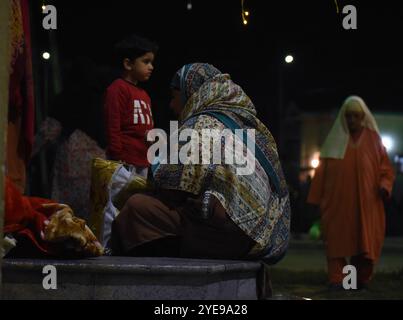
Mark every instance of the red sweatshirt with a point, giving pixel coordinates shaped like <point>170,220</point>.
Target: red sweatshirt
<point>127,118</point>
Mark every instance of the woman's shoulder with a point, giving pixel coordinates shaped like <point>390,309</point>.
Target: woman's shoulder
<point>373,138</point>
<point>373,135</point>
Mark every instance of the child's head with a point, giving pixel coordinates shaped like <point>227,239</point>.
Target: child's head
<point>136,56</point>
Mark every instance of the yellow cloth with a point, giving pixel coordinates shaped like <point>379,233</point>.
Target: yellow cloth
<point>102,171</point>
<point>111,187</point>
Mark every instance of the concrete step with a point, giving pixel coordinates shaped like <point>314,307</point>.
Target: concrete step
<point>134,278</point>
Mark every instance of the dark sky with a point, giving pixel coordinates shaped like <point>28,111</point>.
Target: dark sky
<point>330,62</point>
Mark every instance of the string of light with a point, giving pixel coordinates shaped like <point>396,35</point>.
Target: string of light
<point>244,13</point>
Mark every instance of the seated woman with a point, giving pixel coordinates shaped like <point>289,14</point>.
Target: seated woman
<point>210,210</point>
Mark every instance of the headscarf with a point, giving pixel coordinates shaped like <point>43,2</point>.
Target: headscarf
<point>337,140</point>
<point>190,78</point>
<point>203,87</point>
<point>246,199</point>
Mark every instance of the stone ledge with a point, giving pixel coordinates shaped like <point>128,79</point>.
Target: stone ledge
<point>137,265</point>
<point>135,278</point>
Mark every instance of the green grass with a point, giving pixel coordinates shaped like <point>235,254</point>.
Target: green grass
<point>312,285</point>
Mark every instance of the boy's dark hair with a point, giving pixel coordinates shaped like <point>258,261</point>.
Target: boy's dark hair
<point>133,47</point>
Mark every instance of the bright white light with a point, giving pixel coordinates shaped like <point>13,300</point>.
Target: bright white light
<point>315,163</point>
<point>189,6</point>
<point>387,142</point>
<point>289,58</point>
<point>46,55</point>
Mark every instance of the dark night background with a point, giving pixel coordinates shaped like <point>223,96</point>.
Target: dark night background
<point>330,62</point>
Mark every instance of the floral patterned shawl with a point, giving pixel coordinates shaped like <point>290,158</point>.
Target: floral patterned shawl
<point>249,200</point>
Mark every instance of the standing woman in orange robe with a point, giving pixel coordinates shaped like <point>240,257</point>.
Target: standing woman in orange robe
<point>354,178</point>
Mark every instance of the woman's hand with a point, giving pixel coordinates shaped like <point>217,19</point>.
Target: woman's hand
<point>201,208</point>
<point>193,207</point>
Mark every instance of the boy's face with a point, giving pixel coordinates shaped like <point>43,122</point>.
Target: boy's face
<point>176,104</point>
<point>141,68</point>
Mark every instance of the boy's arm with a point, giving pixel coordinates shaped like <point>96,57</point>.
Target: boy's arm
<point>113,101</point>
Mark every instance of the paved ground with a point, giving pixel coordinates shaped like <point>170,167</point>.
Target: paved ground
<point>309,255</point>
<point>302,273</point>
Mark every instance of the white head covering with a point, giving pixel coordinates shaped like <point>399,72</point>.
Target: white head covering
<point>336,142</point>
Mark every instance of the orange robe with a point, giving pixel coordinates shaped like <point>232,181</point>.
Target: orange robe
<point>347,192</point>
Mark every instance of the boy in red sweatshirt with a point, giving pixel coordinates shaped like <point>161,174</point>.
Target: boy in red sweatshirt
<point>127,108</point>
